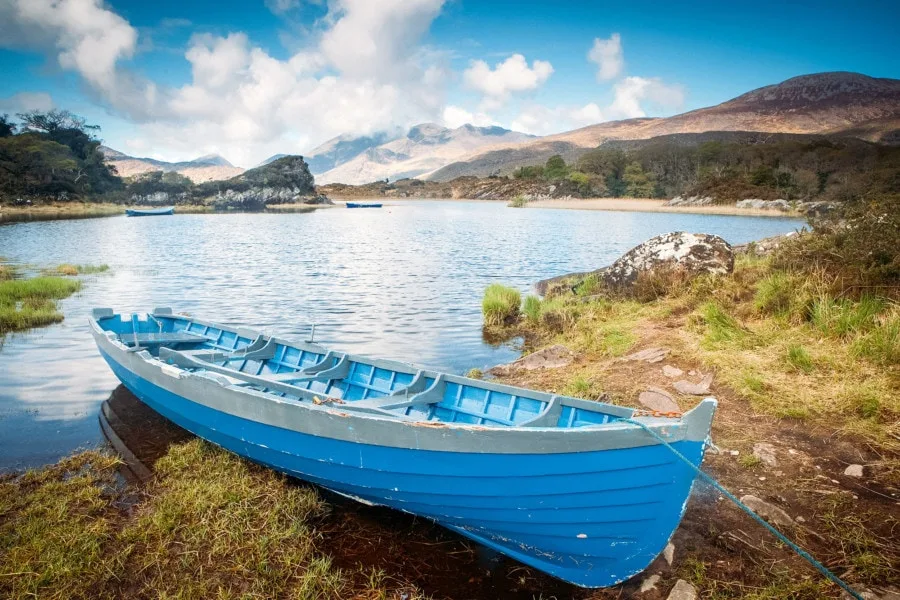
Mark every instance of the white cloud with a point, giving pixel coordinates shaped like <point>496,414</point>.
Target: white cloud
<point>608,56</point>
<point>85,37</point>
<point>632,92</point>
<point>377,40</point>
<point>538,119</point>
<point>506,78</point>
<point>280,7</point>
<point>455,116</point>
<point>25,101</point>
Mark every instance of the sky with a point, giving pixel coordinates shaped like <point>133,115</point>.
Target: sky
<point>247,79</point>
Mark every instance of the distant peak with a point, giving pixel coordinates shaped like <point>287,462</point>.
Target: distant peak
<point>212,159</point>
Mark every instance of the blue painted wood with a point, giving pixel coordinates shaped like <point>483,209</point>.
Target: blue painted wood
<point>150,212</point>
<point>591,517</point>
<point>364,205</point>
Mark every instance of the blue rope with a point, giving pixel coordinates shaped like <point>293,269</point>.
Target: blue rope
<point>709,479</point>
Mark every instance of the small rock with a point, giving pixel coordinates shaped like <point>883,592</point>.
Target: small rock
<point>854,471</point>
<point>735,452</point>
<point>695,389</point>
<point>766,453</point>
<point>800,520</point>
<point>672,372</point>
<point>669,553</point>
<point>770,512</point>
<point>658,399</point>
<point>683,591</point>
<point>649,584</point>
<point>650,355</point>
<point>553,357</point>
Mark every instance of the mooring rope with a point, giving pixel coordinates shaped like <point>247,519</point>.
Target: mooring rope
<point>783,538</point>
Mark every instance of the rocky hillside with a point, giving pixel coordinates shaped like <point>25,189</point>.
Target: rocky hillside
<point>210,167</point>
<point>423,149</point>
<point>286,180</point>
<point>825,103</point>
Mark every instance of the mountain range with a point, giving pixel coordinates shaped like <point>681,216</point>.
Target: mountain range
<point>210,167</point>
<point>837,103</point>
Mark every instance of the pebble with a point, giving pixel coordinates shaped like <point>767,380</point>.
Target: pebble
<point>672,372</point>
<point>800,520</point>
<point>694,389</point>
<point>770,512</point>
<point>650,355</point>
<point>766,453</point>
<point>735,452</point>
<point>683,591</point>
<point>669,553</point>
<point>854,471</point>
<point>649,584</point>
<point>659,399</point>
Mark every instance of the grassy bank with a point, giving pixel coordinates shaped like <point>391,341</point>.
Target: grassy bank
<point>804,351</point>
<point>63,210</point>
<point>209,525</point>
<point>27,302</point>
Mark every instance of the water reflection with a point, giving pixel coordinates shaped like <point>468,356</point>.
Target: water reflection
<point>404,282</point>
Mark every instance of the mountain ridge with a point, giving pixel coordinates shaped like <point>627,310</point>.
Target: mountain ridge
<point>834,103</point>
<point>209,167</point>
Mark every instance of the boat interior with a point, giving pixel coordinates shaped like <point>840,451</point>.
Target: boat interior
<point>308,372</point>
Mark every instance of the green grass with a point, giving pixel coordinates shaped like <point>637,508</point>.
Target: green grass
<point>721,327</point>
<point>776,294</point>
<point>70,269</point>
<point>845,318</point>
<point>208,525</point>
<point>799,359</point>
<point>532,309</point>
<point>27,303</point>
<point>882,344</point>
<point>518,202</point>
<point>500,305</point>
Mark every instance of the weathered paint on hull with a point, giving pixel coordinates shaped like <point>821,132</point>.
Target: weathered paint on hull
<point>594,518</point>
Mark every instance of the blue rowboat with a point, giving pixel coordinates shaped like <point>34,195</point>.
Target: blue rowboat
<point>150,212</point>
<point>575,488</point>
<point>364,205</point>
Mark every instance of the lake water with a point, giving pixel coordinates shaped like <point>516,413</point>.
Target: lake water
<point>403,282</point>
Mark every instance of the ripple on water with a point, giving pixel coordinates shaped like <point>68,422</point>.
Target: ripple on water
<point>404,282</point>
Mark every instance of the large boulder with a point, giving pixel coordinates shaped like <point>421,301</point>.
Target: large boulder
<point>689,253</point>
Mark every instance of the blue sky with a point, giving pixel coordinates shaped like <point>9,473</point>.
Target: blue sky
<point>174,80</point>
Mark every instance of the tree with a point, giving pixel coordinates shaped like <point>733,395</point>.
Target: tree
<point>53,121</point>
<point>639,183</point>
<point>7,127</point>
<point>529,172</point>
<point>556,168</point>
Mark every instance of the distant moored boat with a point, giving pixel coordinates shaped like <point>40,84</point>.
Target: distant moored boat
<point>150,212</point>
<point>583,490</point>
<point>364,205</point>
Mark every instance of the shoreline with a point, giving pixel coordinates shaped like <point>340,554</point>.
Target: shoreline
<point>654,205</point>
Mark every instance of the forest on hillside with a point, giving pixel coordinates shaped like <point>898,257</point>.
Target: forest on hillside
<point>52,155</point>
<point>815,169</point>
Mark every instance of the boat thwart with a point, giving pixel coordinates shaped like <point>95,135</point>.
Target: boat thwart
<point>576,488</point>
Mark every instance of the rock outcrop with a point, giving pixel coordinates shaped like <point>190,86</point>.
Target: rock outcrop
<point>759,204</point>
<point>691,254</point>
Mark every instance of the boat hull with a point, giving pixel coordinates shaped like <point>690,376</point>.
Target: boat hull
<point>591,516</point>
<point>152,212</point>
<point>364,205</point>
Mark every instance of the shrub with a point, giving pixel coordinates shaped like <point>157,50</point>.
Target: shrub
<point>500,305</point>
<point>518,202</point>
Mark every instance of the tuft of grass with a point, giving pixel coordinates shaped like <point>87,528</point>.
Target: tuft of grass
<point>70,270</point>
<point>475,374</point>
<point>775,294</point>
<point>518,202</point>
<point>589,286</point>
<point>720,326</point>
<point>500,305</point>
<point>799,359</point>
<point>749,461</point>
<point>532,309</point>
<point>845,318</point>
<point>27,303</point>
<point>7,272</point>
<point>882,344</point>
